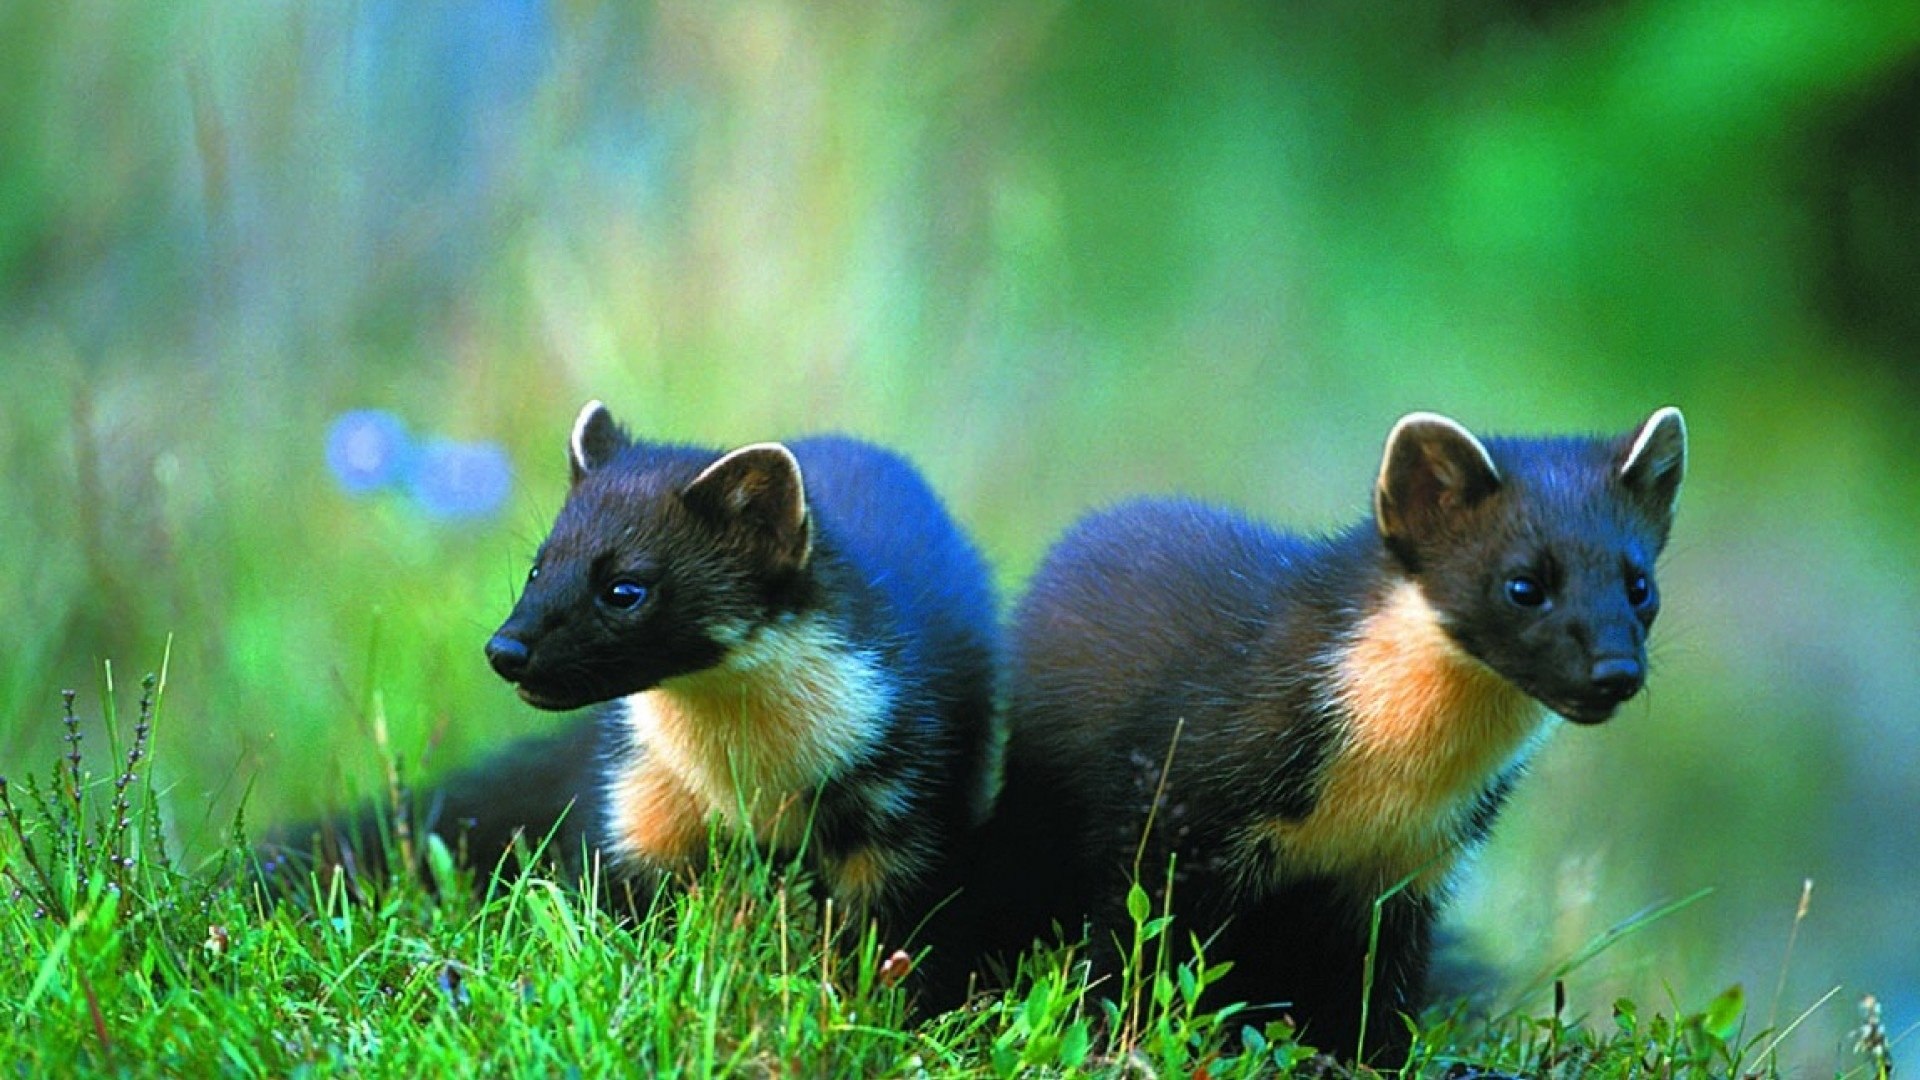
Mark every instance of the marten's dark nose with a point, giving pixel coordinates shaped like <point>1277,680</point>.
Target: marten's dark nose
<point>508,655</point>
<point>1618,678</point>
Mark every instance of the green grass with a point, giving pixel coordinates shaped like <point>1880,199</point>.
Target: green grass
<point>1056,259</point>
<point>123,956</point>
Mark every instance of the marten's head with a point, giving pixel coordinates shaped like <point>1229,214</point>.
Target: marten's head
<point>661,560</point>
<point>1537,554</point>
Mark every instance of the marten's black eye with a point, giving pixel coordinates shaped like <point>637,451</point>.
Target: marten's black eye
<point>533,572</point>
<point>1525,591</point>
<point>624,595</point>
<point>1639,590</point>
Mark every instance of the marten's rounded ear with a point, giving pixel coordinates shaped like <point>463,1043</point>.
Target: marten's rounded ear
<point>1655,460</point>
<point>595,440</point>
<point>1432,469</point>
<point>758,491</point>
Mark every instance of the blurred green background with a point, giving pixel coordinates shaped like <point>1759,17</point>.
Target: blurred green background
<point>1057,253</point>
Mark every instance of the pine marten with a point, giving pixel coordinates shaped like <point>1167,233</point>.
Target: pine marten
<point>793,643</point>
<point>1351,710</point>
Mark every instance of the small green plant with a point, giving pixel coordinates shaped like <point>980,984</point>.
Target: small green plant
<point>1047,1029</point>
<point>68,844</point>
<point>1055,1022</point>
<point>1158,1020</point>
<point>100,917</point>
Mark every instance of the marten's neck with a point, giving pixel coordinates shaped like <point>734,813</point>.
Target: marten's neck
<point>752,738</point>
<point>1426,730</point>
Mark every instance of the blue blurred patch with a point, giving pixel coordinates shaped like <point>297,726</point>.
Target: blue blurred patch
<point>460,480</point>
<point>367,449</point>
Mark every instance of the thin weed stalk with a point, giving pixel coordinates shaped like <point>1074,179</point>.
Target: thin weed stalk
<point>1786,960</point>
<point>1373,952</point>
<point>1600,943</point>
<point>1137,906</point>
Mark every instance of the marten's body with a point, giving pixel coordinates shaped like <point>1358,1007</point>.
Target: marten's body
<point>794,644</point>
<point>1350,712</point>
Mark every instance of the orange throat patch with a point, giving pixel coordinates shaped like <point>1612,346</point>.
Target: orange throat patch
<point>1426,729</point>
<point>747,743</point>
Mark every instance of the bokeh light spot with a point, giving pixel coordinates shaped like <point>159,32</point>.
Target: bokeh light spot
<point>367,449</point>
